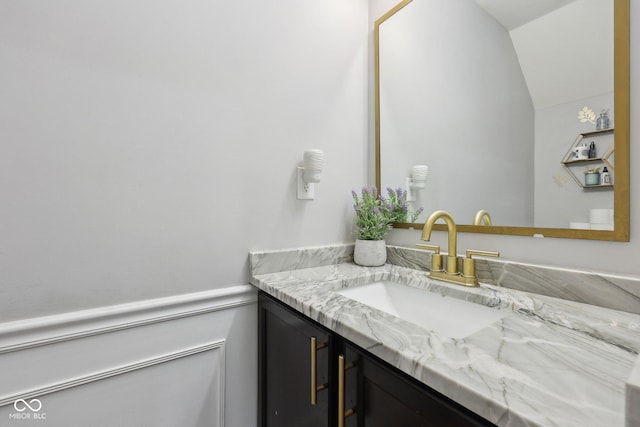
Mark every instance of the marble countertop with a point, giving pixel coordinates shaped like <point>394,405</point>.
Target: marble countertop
<point>548,362</point>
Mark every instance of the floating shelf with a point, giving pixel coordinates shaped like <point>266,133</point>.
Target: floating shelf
<point>568,162</point>
<point>598,186</point>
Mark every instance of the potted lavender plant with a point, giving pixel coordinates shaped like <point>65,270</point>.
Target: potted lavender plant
<point>372,224</point>
<point>399,209</point>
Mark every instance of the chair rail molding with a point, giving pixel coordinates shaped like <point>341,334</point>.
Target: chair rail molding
<point>22,334</point>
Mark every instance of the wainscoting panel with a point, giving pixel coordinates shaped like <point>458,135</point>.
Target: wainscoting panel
<point>155,363</point>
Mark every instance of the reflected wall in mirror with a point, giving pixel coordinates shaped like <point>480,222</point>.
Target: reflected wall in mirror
<point>487,94</point>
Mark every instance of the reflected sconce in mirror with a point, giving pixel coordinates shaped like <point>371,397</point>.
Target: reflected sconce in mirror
<point>309,173</point>
<point>416,181</point>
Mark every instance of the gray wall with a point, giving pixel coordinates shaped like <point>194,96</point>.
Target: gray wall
<point>559,200</point>
<point>147,146</point>
<point>450,127</point>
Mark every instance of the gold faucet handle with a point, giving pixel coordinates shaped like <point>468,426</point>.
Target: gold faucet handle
<point>433,248</point>
<point>436,258</point>
<point>469,264</point>
<point>472,252</point>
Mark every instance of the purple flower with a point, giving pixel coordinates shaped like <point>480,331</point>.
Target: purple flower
<point>373,213</point>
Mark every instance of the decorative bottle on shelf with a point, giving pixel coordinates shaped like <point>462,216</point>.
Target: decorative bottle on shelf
<point>592,150</point>
<point>605,177</point>
<point>603,121</point>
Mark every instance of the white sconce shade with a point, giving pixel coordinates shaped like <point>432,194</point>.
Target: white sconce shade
<point>416,181</point>
<point>313,161</point>
<point>419,176</point>
<point>309,173</point>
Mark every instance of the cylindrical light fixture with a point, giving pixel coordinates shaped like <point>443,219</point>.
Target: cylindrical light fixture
<point>309,173</point>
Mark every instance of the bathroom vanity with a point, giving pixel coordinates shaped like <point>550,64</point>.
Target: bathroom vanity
<point>311,376</point>
<point>544,361</point>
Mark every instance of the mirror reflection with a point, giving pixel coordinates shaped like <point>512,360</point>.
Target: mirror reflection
<point>490,95</point>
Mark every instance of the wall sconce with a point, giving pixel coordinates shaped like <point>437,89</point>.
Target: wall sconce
<point>309,173</point>
<point>416,181</point>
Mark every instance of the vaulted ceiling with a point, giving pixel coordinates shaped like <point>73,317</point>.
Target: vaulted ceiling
<point>565,47</point>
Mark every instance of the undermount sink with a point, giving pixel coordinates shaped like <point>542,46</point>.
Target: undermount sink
<point>445,315</point>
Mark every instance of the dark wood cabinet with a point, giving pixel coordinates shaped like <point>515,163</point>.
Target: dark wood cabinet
<point>389,397</point>
<point>353,387</point>
<point>288,367</point>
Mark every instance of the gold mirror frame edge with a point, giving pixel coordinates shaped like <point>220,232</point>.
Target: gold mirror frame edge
<point>621,195</point>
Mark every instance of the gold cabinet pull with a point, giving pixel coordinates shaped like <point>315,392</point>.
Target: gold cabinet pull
<point>341,391</point>
<point>315,388</point>
<point>313,371</point>
<point>342,414</point>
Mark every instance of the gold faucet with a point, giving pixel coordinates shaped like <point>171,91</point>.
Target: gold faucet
<point>452,273</point>
<point>452,258</point>
<point>482,215</point>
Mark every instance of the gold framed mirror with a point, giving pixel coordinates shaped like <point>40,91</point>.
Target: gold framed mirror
<point>567,181</point>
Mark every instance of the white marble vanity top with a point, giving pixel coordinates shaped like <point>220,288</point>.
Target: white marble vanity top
<point>549,362</point>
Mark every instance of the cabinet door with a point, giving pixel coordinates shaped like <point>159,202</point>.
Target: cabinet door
<point>286,368</point>
<point>388,397</point>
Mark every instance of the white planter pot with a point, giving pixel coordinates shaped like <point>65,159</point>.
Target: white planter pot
<point>370,253</point>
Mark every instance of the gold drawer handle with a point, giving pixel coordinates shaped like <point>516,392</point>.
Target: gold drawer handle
<point>315,388</point>
<point>342,414</point>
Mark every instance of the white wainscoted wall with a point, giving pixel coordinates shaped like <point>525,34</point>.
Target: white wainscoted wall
<point>186,360</point>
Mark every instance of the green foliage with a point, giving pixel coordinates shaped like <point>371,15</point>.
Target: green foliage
<point>372,215</point>
<point>399,208</point>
